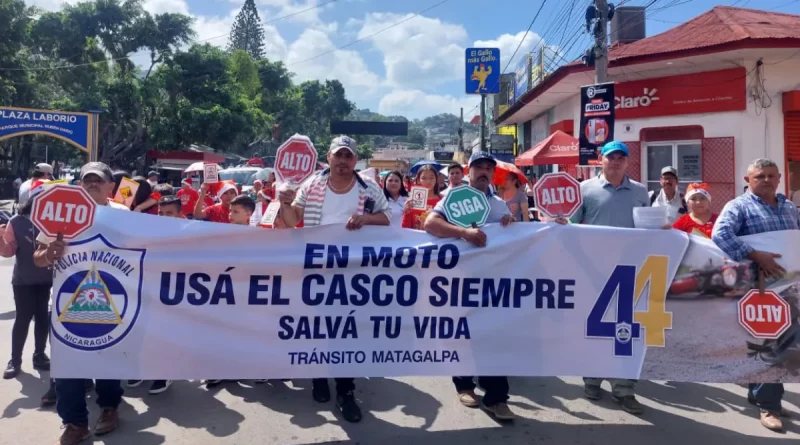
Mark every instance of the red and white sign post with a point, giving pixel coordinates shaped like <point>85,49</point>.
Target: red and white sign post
<point>64,210</point>
<point>764,314</point>
<point>558,195</point>
<point>295,160</point>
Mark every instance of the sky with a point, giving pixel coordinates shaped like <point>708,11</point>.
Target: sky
<point>407,57</point>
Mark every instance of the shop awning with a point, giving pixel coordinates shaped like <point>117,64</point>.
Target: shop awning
<point>558,148</point>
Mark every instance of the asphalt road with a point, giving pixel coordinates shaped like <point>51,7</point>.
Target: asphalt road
<point>419,411</point>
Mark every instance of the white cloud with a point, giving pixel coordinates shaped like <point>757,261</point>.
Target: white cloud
<point>163,6</point>
<point>302,12</point>
<point>416,104</point>
<point>345,65</point>
<point>508,43</point>
<point>50,5</point>
<point>419,53</point>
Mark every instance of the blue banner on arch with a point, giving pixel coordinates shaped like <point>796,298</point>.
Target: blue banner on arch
<point>74,128</point>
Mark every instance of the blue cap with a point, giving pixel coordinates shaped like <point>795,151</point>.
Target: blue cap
<point>613,146</point>
<point>480,156</point>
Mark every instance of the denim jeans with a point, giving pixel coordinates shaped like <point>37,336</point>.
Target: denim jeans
<point>496,388</point>
<point>766,396</point>
<point>343,385</point>
<point>71,398</point>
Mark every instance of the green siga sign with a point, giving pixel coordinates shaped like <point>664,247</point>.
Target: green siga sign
<point>465,206</point>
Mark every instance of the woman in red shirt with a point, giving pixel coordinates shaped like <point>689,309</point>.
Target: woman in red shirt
<point>699,220</point>
<point>427,177</point>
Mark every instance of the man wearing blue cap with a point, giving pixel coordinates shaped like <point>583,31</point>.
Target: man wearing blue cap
<point>609,200</point>
<point>481,172</point>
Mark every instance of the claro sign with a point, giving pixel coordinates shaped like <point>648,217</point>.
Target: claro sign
<point>708,92</point>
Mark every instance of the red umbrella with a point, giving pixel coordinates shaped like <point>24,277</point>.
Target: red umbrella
<point>502,170</point>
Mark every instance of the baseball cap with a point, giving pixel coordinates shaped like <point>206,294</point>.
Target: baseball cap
<point>343,142</point>
<point>614,146</point>
<point>152,173</point>
<point>481,156</point>
<point>99,169</point>
<point>187,180</point>
<point>669,170</point>
<point>44,168</point>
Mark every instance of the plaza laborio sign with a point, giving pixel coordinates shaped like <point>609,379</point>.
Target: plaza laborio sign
<point>75,128</point>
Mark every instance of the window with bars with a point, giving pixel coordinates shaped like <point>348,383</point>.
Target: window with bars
<point>684,156</point>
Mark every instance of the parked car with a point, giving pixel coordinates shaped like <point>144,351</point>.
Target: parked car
<point>242,176</point>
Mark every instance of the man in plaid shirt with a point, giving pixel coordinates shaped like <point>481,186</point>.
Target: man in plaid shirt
<point>760,209</point>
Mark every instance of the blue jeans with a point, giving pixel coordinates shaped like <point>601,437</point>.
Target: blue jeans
<point>71,399</point>
<point>766,396</point>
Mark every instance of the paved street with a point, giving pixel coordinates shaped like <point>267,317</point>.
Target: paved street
<point>417,411</point>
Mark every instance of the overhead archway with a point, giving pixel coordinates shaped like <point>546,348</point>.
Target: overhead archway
<point>77,129</point>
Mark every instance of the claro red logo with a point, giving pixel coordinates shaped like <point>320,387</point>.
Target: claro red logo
<point>645,100</point>
<point>708,92</point>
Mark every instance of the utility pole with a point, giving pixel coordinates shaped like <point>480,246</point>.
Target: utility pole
<point>461,132</point>
<point>601,42</point>
<point>483,122</point>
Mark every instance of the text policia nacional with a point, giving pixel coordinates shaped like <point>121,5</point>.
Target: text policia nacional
<point>372,286</point>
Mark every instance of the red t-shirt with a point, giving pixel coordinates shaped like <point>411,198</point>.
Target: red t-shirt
<point>217,213</point>
<point>153,209</point>
<point>188,200</point>
<point>415,218</point>
<point>686,224</point>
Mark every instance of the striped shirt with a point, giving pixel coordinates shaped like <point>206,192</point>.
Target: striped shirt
<point>311,196</point>
<point>748,215</point>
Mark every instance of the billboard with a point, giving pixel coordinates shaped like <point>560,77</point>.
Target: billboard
<point>597,120</point>
<point>522,77</point>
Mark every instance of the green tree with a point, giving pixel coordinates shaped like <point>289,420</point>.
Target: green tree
<point>205,104</point>
<point>244,71</point>
<point>247,32</point>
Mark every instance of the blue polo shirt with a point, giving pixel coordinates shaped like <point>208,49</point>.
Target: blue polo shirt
<point>497,207</point>
<point>606,205</point>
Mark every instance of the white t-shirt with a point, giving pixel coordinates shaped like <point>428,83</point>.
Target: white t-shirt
<point>25,191</point>
<point>336,208</point>
<point>397,210</point>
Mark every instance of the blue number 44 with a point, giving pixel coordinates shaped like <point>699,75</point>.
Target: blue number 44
<point>624,330</point>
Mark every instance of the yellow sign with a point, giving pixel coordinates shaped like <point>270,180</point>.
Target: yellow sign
<point>126,192</point>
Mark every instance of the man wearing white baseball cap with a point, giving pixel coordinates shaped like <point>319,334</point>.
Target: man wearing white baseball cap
<point>40,172</point>
<point>337,195</point>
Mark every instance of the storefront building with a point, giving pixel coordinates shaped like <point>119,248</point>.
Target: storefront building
<point>706,97</point>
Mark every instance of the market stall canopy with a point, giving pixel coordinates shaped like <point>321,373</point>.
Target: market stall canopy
<point>558,148</point>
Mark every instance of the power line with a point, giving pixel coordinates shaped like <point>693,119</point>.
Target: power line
<point>398,23</point>
<point>523,37</point>
<point>276,19</point>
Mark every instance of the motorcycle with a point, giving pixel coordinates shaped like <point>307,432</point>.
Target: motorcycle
<point>714,280</point>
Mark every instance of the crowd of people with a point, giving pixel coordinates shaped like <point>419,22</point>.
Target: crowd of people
<point>340,195</point>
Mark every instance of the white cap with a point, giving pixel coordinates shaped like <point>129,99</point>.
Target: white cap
<point>225,189</point>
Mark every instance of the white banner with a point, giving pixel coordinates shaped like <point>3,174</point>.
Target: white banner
<point>147,297</point>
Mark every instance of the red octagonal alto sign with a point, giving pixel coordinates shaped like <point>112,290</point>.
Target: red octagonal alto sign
<point>295,160</point>
<point>558,195</point>
<point>765,315</point>
<point>63,209</point>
